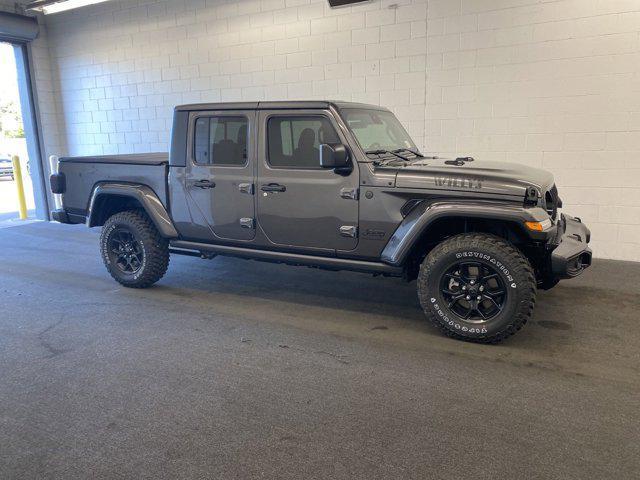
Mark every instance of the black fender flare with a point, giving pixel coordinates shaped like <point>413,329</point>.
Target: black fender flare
<point>144,195</point>
<point>422,216</point>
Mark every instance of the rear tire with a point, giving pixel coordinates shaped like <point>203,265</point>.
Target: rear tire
<point>132,249</point>
<point>459,287</point>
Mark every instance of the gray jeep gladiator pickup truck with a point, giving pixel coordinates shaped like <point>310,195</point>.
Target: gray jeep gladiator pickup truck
<point>332,185</point>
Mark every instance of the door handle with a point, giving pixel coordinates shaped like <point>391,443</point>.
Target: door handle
<point>273,187</point>
<point>246,188</point>
<point>204,183</point>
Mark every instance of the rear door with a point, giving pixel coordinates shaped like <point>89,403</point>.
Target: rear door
<point>299,203</point>
<point>219,176</point>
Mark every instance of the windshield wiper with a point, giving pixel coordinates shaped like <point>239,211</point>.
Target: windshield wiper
<point>394,152</point>
<point>415,152</point>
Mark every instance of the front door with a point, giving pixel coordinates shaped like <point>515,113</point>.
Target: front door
<point>299,203</point>
<point>219,178</point>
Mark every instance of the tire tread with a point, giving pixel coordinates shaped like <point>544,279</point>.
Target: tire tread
<point>512,255</point>
<point>157,248</point>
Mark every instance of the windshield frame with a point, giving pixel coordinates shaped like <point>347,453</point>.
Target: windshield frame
<point>344,112</point>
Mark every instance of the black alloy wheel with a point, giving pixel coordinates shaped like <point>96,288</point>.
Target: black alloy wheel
<point>474,291</point>
<point>125,251</point>
<point>134,252</point>
<point>477,287</point>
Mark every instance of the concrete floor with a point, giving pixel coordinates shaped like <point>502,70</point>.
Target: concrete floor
<point>230,369</point>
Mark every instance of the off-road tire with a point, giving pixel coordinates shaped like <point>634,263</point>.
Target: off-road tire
<point>511,265</point>
<point>155,249</point>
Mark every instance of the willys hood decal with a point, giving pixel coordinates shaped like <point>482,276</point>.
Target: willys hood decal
<point>489,177</point>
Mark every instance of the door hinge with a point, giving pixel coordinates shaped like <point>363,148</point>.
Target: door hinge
<point>247,223</point>
<point>350,231</point>
<point>246,188</point>
<point>349,193</point>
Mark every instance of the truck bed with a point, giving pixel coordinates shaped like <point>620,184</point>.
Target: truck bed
<point>83,174</point>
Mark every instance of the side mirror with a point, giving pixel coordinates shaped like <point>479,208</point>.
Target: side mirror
<point>334,155</point>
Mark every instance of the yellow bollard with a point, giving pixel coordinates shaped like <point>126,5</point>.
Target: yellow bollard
<point>17,175</point>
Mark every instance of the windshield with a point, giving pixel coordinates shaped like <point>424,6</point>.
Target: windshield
<point>377,130</point>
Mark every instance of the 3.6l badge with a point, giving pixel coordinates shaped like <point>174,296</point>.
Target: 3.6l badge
<point>374,234</point>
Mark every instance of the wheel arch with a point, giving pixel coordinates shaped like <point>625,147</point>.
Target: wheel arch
<point>108,199</point>
<point>429,223</point>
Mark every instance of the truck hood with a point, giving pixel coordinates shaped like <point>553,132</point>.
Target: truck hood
<point>479,176</point>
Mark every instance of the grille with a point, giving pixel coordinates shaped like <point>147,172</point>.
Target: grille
<point>552,202</point>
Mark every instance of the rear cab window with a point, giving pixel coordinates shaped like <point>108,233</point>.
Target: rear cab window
<point>221,140</point>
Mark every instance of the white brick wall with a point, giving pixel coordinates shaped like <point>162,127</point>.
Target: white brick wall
<point>553,84</point>
<point>53,137</point>
<point>123,65</point>
<point>547,83</point>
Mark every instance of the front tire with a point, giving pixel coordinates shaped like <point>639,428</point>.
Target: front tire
<point>132,249</point>
<point>477,287</point>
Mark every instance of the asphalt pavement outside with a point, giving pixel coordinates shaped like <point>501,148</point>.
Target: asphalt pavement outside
<point>234,369</point>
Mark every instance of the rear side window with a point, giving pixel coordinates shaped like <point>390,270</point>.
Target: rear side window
<point>294,141</point>
<point>221,141</point>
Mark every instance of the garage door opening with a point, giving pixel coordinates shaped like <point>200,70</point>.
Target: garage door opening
<point>13,140</point>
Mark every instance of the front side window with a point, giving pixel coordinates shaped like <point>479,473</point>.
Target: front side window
<point>294,141</point>
<point>377,130</point>
<point>221,141</point>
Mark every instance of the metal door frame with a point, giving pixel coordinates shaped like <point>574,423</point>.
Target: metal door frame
<point>262,118</point>
<point>252,149</point>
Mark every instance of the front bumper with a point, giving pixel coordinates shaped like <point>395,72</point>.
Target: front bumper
<point>571,254</point>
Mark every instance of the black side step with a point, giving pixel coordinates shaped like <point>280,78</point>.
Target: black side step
<point>183,247</point>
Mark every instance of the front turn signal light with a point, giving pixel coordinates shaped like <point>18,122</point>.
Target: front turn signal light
<point>538,226</point>
<point>535,226</point>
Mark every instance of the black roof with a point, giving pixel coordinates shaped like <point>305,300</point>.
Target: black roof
<point>289,104</point>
